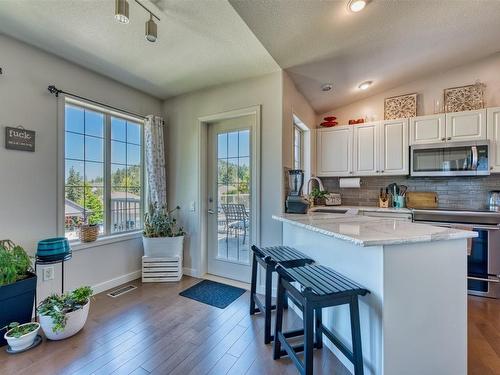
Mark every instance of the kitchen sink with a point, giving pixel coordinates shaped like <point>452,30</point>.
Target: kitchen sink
<point>331,210</point>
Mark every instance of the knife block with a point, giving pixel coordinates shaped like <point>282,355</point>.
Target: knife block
<point>384,203</point>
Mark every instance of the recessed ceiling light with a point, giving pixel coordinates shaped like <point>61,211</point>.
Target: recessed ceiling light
<point>356,5</point>
<point>326,87</point>
<point>121,11</point>
<point>365,85</point>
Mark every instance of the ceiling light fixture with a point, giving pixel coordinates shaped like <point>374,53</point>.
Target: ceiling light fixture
<point>365,85</point>
<point>122,15</point>
<point>121,11</point>
<point>356,5</point>
<point>326,87</point>
<point>151,30</point>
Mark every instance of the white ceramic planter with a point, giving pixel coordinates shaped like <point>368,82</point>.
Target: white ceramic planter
<point>163,247</point>
<point>76,321</point>
<point>21,343</point>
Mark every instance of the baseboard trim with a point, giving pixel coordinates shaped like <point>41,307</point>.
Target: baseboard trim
<point>108,284</point>
<point>190,272</point>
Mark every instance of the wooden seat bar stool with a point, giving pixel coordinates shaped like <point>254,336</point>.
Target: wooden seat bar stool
<point>318,287</point>
<point>268,258</point>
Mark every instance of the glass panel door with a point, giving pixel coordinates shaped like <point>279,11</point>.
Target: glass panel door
<point>230,198</point>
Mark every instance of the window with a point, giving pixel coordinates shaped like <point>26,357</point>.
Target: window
<point>298,147</point>
<point>103,171</point>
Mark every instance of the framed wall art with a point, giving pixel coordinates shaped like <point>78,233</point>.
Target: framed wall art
<point>402,106</point>
<point>464,98</point>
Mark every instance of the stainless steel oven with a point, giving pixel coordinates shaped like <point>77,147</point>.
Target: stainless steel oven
<point>483,263</point>
<point>450,159</point>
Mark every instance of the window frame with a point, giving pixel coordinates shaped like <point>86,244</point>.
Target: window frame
<point>298,129</point>
<point>107,235</point>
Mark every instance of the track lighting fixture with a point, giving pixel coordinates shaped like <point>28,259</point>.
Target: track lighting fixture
<point>122,15</point>
<point>151,30</point>
<point>121,11</point>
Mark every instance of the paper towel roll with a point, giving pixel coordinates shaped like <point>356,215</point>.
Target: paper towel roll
<point>350,182</point>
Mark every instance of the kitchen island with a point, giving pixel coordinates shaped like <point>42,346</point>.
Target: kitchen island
<point>414,321</point>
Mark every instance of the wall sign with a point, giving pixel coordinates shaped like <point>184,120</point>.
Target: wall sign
<point>19,139</point>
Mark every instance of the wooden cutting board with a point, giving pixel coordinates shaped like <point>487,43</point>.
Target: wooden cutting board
<point>421,200</point>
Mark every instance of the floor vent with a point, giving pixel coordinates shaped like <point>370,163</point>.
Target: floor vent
<point>124,289</point>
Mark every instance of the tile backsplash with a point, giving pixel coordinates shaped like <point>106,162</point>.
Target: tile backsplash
<point>453,192</point>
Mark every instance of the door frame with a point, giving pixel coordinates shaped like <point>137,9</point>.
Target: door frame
<point>202,167</point>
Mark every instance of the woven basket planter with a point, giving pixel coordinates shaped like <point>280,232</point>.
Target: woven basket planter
<point>89,233</point>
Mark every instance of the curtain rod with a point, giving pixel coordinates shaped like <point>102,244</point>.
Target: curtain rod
<point>55,91</point>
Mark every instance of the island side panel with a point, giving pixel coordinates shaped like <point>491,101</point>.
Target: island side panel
<point>361,264</point>
<point>425,308</point>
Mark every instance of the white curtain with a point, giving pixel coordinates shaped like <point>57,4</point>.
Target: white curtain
<point>155,160</point>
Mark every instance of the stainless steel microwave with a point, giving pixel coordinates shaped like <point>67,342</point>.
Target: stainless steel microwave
<point>450,159</point>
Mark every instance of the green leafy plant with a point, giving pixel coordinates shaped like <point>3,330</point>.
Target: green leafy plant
<point>159,222</point>
<point>16,330</point>
<point>15,263</point>
<point>57,306</point>
<point>317,194</point>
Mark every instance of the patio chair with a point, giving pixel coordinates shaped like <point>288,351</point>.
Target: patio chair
<point>236,218</point>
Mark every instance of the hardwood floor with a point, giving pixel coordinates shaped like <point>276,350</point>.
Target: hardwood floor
<point>153,330</point>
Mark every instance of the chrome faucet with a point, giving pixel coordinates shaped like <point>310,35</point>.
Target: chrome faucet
<point>321,187</point>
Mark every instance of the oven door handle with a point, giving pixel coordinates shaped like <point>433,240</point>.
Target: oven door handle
<point>496,279</point>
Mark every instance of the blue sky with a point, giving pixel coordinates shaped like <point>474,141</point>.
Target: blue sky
<point>84,140</point>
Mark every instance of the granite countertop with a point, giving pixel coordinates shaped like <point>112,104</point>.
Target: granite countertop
<point>363,208</point>
<point>370,231</point>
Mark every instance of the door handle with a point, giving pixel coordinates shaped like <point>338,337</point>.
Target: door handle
<point>488,280</point>
<point>211,212</point>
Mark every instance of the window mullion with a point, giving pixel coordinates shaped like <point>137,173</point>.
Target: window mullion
<point>107,175</point>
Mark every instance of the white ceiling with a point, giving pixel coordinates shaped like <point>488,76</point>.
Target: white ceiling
<point>200,43</point>
<point>389,42</point>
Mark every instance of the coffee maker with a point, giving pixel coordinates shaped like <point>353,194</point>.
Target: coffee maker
<point>295,202</point>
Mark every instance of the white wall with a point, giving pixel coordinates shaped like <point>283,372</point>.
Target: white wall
<point>28,181</point>
<point>294,103</point>
<point>182,115</point>
<point>429,89</point>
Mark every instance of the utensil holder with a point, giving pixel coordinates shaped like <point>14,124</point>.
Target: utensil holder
<point>398,201</point>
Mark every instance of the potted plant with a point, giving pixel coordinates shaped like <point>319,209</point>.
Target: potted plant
<point>162,237</point>
<point>317,196</point>
<point>17,285</point>
<point>21,336</point>
<point>62,316</point>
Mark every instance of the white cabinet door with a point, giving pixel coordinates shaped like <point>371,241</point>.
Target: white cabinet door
<point>427,129</point>
<point>466,126</point>
<point>394,152</point>
<point>335,151</point>
<point>493,115</point>
<point>366,149</point>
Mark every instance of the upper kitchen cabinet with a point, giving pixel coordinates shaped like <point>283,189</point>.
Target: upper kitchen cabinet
<point>493,115</point>
<point>334,150</point>
<point>394,152</point>
<point>466,126</point>
<point>428,129</point>
<point>366,149</point>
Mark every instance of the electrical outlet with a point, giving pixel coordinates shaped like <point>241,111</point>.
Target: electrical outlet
<point>48,273</point>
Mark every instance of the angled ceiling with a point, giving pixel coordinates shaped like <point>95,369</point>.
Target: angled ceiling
<point>200,43</point>
<point>389,42</point>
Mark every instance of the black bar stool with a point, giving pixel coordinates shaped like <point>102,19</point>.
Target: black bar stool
<point>320,287</point>
<point>268,258</point>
